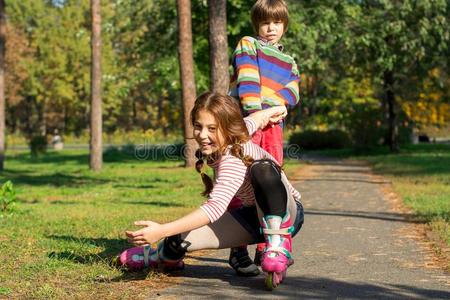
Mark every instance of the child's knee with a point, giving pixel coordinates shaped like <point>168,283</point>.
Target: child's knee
<point>264,171</point>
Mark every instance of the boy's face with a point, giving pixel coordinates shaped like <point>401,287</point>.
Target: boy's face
<point>271,30</point>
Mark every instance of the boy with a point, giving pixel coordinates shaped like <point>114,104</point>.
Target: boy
<point>263,77</point>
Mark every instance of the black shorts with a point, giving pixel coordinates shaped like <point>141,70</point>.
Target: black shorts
<point>247,216</point>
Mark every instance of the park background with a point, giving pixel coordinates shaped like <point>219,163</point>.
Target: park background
<point>374,82</point>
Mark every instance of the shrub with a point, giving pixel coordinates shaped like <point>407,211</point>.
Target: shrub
<point>316,140</point>
<point>365,126</point>
<point>38,145</point>
<point>7,196</point>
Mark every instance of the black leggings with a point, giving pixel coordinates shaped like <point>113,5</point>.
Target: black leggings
<point>270,194</point>
<point>270,191</point>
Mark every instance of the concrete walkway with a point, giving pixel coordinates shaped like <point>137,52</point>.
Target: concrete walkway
<point>353,246</point>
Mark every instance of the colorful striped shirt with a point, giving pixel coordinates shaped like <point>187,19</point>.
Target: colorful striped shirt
<point>232,179</point>
<point>263,76</point>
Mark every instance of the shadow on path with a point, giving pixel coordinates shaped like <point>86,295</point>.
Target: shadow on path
<point>395,217</point>
<point>334,179</point>
<point>296,287</point>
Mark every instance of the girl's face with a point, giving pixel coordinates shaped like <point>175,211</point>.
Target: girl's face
<point>207,133</point>
<point>271,30</point>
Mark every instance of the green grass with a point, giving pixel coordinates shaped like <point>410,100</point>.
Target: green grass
<point>420,175</point>
<point>68,222</point>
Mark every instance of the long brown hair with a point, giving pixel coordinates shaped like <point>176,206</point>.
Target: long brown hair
<point>231,125</point>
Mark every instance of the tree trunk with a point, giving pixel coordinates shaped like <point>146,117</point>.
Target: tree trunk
<point>187,76</point>
<point>2,81</point>
<point>218,46</point>
<point>96,100</point>
<point>392,138</point>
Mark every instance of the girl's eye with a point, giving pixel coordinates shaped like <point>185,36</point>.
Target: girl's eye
<point>197,126</point>
<point>212,129</point>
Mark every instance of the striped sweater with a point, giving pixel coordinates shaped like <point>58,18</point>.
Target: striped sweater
<point>263,76</point>
<point>232,178</point>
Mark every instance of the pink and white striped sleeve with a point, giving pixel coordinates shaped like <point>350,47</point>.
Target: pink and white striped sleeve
<point>251,125</point>
<point>231,174</point>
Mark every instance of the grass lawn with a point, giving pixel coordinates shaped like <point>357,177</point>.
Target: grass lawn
<point>421,176</point>
<point>69,222</point>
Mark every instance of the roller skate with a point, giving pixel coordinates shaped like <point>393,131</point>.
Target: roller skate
<point>138,258</point>
<point>276,257</point>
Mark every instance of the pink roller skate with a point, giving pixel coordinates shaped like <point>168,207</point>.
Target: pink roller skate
<point>138,258</point>
<point>276,257</point>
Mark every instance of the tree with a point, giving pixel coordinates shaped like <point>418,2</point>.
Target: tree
<point>186,62</point>
<point>2,81</point>
<point>96,100</point>
<point>397,41</point>
<point>218,45</point>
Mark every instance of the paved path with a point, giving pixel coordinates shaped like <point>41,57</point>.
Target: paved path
<point>352,246</point>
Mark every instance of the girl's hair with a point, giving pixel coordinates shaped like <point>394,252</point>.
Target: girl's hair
<point>231,125</point>
<point>266,10</point>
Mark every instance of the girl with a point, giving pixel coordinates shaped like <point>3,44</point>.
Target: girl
<point>242,169</point>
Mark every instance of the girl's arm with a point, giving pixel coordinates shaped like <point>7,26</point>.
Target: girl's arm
<point>153,232</point>
<point>265,117</point>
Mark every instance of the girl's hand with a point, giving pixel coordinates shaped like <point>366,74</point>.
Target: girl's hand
<point>268,116</point>
<point>277,114</point>
<point>151,233</point>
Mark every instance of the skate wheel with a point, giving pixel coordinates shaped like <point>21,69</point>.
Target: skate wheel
<point>283,275</point>
<point>277,278</point>
<point>272,280</point>
<point>269,282</point>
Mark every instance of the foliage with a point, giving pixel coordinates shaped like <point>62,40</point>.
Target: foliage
<point>38,145</point>
<point>7,196</point>
<point>315,140</point>
<point>342,49</point>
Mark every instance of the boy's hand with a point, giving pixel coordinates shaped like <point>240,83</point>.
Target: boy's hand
<point>151,233</point>
<point>278,114</point>
<point>268,116</point>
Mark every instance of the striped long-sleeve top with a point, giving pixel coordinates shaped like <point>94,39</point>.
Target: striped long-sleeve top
<point>232,179</point>
<point>263,76</point>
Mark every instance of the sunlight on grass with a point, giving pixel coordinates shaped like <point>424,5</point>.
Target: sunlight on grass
<point>70,222</point>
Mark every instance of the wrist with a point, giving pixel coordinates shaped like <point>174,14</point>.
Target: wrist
<point>165,231</point>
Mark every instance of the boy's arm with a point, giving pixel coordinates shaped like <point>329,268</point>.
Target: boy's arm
<point>291,92</point>
<point>247,75</point>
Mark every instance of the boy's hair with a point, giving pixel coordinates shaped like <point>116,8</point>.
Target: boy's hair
<point>265,10</point>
